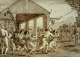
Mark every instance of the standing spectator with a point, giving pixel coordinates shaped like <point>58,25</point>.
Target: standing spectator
<point>4,40</point>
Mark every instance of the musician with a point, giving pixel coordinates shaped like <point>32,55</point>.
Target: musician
<point>45,40</point>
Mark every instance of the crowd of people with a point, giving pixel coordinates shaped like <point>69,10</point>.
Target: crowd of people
<point>24,41</point>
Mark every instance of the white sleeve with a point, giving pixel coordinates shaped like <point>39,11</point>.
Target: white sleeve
<point>51,34</point>
<point>6,33</point>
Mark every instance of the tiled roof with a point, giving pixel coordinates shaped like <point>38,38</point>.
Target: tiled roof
<point>11,3</point>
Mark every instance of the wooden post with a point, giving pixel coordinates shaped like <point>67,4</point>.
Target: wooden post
<point>35,30</point>
<point>27,26</point>
<point>35,27</point>
<point>44,22</point>
<point>17,26</point>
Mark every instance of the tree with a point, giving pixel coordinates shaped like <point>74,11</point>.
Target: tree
<point>76,5</point>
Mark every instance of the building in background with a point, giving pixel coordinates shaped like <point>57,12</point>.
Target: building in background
<point>24,11</point>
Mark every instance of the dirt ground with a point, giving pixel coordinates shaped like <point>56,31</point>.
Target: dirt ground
<point>61,52</point>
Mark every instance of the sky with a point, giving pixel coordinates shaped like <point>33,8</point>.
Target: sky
<point>58,8</point>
